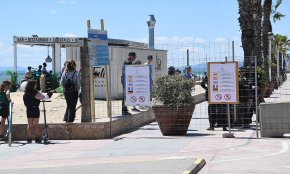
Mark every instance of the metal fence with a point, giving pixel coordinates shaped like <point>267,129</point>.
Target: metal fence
<point>198,55</point>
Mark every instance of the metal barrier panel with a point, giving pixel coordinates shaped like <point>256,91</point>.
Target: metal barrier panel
<point>197,55</point>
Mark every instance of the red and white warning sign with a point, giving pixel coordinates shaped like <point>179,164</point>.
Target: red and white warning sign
<point>137,85</point>
<point>133,99</point>
<point>142,99</point>
<point>227,96</point>
<point>223,84</point>
<point>218,96</point>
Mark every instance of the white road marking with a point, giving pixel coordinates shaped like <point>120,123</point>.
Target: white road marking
<point>177,157</point>
<point>283,150</point>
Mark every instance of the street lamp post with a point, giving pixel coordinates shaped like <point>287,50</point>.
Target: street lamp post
<point>270,38</point>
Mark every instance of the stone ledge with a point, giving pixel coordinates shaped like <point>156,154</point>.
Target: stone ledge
<point>98,130</point>
<point>90,131</point>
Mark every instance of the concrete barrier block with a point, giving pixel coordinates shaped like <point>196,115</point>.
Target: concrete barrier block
<point>275,119</point>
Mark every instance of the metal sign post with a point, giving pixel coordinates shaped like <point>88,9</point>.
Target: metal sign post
<point>108,87</point>
<point>256,98</point>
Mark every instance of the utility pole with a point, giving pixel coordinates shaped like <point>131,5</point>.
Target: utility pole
<point>85,81</point>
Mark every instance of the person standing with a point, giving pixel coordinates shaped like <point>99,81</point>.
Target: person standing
<point>70,80</point>
<point>149,60</point>
<point>44,70</point>
<point>171,70</point>
<point>187,73</point>
<point>4,101</point>
<point>64,67</point>
<point>31,100</point>
<point>130,61</point>
<point>28,73</point>
<point>150,64</point>
<point>38,75</point>
<point>216,112</point>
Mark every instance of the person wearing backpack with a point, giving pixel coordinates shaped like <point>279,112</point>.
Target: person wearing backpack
<point>70,81</point>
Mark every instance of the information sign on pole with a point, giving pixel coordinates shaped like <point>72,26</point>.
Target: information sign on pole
<point>137,85</point>
<point>98,47</point>
<point>223,83</point>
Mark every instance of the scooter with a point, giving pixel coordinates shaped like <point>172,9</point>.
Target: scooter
<point>9,129</point>
<point>45,136</point>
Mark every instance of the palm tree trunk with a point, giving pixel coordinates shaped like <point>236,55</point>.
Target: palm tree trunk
<point>246,23</point>
<point>267,27</point>
<point>257,20</point>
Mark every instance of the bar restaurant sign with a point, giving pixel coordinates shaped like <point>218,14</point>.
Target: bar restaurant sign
<point>223,84</point>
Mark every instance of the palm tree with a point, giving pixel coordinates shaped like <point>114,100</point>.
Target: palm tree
<point>246,25</point>
<point>267,26</point>
<point>282,43</point>
<point>277,15</point>
<point>257,20</point>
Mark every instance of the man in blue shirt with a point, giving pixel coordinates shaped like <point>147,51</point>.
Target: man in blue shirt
<point>187,73</point>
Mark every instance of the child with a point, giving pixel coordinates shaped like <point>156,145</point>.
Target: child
<point>31,100</point>
<point>4,101</point>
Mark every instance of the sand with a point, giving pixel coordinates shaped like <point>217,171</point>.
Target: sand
<point>56,108</point>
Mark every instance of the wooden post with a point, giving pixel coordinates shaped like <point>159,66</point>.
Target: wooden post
<point>85,82</point>
<point>108,87</point>
<point>92,85</point>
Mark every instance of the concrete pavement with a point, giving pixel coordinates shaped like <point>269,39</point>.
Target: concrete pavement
<point>147,151</point>
<point>142,151</point>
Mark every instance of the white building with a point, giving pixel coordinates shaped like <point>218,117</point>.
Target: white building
<point>118,53</point>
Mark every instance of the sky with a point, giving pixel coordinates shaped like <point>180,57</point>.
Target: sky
<point>177,22</point>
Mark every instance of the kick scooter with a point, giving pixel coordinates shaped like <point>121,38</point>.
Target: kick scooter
<point>9,128</point>
<point>45,136</point>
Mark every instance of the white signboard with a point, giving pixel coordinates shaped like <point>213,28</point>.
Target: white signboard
<point>137,85</point>
<point>223,83</point>
<point>46,39</point>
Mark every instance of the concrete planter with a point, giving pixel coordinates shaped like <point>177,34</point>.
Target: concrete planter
<point>173,120</point>
<point>270,88</point>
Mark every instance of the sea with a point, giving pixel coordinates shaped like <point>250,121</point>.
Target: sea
<point>4,76</point>
<point>20,76</point>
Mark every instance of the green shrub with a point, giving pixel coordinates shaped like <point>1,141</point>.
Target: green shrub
<point>59,89</point>
<point>173,90</point>
<point>13,80</point>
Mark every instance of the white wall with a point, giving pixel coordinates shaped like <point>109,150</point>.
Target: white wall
<point>117,57</point>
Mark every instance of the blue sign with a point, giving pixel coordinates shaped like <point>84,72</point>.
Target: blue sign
<point>97,36</point>
<point>98,47</point>
<point>102,54</point>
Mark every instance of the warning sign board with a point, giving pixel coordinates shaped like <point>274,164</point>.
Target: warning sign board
<point>223,86</point>
<point>137,85</point>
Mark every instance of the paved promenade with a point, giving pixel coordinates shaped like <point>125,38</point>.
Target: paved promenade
<point>146,151</point>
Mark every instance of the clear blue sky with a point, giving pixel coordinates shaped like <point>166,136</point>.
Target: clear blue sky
<point>190,20</point>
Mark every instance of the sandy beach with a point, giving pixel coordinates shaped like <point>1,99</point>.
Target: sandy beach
<point>56,108</point>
